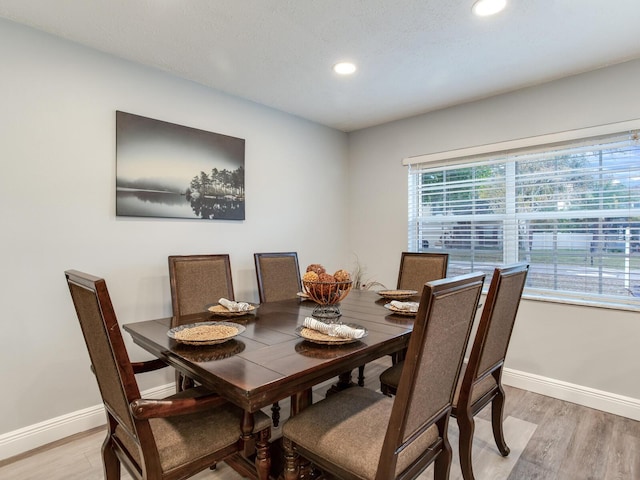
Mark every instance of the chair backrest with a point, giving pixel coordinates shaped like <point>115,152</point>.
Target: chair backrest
<point>431,367</point>
<point>418,268</point>
<point>109,358</point>
<point>198,280</point>
<point>496,323</point>
<point>278,276</point>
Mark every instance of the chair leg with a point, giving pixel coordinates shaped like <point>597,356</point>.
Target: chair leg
<point>275,414</point>
<point>290,461</point>
<point>497,409</point>
<point>183,382</point>
<point>110,461</point>
<point>442,465</point>
<point>397,357</point>
<point>466,425</point>
<point>361,376</point>
<point>387,390</point>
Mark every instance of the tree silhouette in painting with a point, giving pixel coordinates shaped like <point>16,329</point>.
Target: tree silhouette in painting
<point>219,195</point>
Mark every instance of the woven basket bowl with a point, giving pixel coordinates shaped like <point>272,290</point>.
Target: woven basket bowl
<point>327,293</point>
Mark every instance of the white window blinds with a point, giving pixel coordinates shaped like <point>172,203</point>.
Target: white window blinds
<point>571,210</point>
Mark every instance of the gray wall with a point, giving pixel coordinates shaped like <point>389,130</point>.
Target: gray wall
<point>591,347</point>
<point>57,204</point>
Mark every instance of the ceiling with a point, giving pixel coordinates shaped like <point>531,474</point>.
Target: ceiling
<point>413,56</point>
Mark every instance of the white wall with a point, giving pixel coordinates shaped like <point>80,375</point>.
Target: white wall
<point>57,205</point>
<point>593,348</point>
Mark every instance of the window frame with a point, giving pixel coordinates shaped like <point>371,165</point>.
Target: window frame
<point>506,153</point>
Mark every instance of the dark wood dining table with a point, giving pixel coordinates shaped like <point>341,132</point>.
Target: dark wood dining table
<point>269,361</point>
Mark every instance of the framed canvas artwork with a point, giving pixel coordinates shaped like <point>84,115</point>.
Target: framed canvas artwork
<point>173,171</point>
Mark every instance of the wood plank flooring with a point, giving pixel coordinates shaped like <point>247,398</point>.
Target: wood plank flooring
<point>549,440</point>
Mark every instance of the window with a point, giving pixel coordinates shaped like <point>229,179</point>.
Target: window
<point>569,209</point>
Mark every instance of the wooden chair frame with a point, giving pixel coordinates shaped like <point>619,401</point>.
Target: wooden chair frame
<point>406,424</point>
<point>262,272</point>
<point>438,263</point>
<point>176,260</point>
<point>177,295</point>
<point>487,359</point>
<point>129,415</point>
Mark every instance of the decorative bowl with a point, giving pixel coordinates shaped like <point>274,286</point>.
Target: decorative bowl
<point>328,296</point>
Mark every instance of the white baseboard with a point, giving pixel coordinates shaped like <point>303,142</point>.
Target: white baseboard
<point>34,436</point>
<point>588,397</point>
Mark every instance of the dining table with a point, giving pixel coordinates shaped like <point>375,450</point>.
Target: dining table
<point>270,360</point>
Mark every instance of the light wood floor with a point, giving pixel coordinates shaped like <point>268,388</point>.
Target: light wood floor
<point>549,440</point>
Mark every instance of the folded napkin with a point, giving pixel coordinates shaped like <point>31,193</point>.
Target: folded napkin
<point>234,306</point>
<point>405,306</point>
<point>333,329</point>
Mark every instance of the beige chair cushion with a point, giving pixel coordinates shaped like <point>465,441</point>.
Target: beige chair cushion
<point>348,430</point>
<point>391,376</point>
<point>183,438</point>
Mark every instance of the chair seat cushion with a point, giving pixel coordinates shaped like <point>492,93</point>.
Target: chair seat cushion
<point>347,429</point>
<point>391,376</point>
<point>184,438</point>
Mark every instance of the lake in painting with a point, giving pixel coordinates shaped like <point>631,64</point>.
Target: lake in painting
<point>136,203</point>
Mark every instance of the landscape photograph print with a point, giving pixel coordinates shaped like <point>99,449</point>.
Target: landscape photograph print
<point>173,171</point>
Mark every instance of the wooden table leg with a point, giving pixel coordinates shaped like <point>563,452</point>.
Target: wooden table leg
<point>263,455</point>
<point>344,382</point>
<point>247,434</point>
<point>300,401</point>
<point>260,467</point>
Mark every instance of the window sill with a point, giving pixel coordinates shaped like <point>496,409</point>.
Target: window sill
<point>609,305</point>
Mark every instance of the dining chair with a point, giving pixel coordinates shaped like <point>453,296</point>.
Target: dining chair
<point>278,276</point>
<point>361,434</point>
<point>415,270</point>
<point>418,268</point>
<point>172,438</point>
<point>197,280</point>
<point>481,378</point>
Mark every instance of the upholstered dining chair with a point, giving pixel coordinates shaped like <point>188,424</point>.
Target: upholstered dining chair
<point>278,276</point>
<point>418,268</point>
<point>197,280</point>
<point>415,270</point>
<point>481,378</point>
<point>172,438</point>
<point>361,434</point>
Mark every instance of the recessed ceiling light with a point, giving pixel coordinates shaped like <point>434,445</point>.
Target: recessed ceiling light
<point>344,68</point>
<point>484,8</point>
